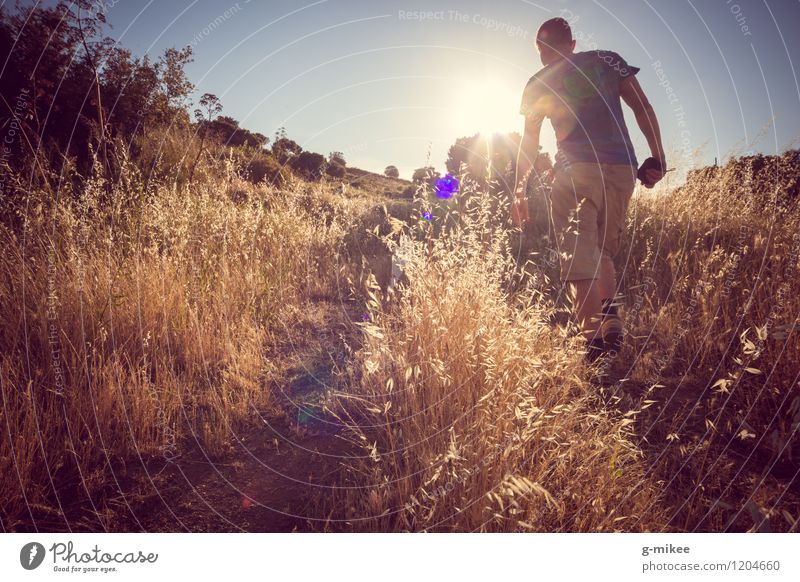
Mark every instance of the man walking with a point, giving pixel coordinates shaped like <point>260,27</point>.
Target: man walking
<point>595,171</point>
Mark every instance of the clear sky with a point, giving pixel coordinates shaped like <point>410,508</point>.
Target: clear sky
<point>388,85</point>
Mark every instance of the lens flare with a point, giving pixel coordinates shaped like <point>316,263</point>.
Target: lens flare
<point>446,187</point>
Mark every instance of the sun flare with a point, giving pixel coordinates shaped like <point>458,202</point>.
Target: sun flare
<point>486,106</point>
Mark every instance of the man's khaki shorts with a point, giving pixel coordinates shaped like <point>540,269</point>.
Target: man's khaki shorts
<point>588,206</point>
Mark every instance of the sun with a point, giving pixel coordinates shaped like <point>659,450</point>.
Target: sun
<point>486,106</point>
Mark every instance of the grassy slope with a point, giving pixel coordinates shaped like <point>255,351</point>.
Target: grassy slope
<point>172,317</point>
<point>375,183</point>
<point>477,417</point>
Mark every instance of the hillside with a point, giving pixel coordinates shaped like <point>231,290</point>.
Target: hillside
<point>767,178</point>
<point>378,183</point>
<point>245,336</point>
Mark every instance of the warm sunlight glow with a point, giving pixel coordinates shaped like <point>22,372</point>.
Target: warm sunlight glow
<point>486,106</point>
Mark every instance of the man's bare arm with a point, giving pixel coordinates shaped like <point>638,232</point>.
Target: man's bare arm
<point>633,94</point>
<point>528,150</point>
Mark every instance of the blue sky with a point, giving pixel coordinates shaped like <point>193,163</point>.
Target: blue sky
<point>387,85</point>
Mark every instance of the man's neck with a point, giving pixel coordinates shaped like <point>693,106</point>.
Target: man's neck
<point>565,56</point>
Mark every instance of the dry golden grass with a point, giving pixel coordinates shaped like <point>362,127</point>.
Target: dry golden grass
<point>473,409</point>
<point>140,324</point>
<point>715,340</point>
<point>475,414</point>
<point>136,326</point>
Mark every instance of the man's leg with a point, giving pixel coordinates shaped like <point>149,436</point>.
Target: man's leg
<point>608,277</point>
<point>575,200</point>
<point>611,328</point>
<point>619,182</point>
<point>587,306</point>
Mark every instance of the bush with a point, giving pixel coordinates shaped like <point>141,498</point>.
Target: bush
<point>336,170</point>
<point>428,174</point>
<point>310,165</point>
<point>265,167</point>
<point>164,154</point>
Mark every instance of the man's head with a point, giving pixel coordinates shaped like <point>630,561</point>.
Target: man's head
<point>554,40</point>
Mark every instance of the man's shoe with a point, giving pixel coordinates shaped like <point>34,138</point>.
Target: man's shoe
<point>611,328</point>
<point>594,349</point>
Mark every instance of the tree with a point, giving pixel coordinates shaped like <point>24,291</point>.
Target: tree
<point>265,167</point>
<point>283,148</point>
<point>209,108</point>
<point>427,174</point>
<point>46,66</point>
<point>129,86</point>
<point>175,83</point>
<point>87,29</point>
<point>391,172</point>
<point>336,170</point>
<point>470,152</point>
<point>81,90</point>
<point>310,165</point>
<point>229,132</point>
<point>260,139</point>
<point>225,129</point>
<point>489,162</point>
<point>337,158</point>
<point>74,93</point>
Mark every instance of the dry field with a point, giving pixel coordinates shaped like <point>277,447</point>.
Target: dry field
<point>147,324</point>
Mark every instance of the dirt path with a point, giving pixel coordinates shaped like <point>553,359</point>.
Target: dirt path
<point>273,472</point>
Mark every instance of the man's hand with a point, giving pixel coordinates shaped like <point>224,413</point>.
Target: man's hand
<point>651,171</point>
<point>653,177</point>
<point>519,210</point>
<point>528,150</point>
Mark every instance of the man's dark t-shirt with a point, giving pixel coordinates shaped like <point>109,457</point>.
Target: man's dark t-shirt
<point>580,96</point>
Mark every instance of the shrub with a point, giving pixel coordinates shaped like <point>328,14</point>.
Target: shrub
<point>310,165</point>
<point>336,170</point>
<point>264,167</point>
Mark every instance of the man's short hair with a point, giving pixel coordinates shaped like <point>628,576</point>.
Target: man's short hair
<point>554,32</point>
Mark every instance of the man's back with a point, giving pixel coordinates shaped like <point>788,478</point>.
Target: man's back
<point>581,95</point>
